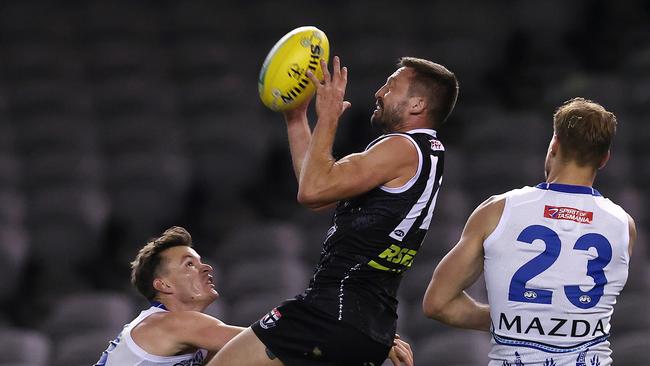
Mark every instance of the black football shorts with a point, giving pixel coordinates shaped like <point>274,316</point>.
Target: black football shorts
<point>300,335</point>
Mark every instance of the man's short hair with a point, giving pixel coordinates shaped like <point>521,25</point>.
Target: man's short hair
<point>147,264</point>
<point>585,131</point>
<point>437,84</point>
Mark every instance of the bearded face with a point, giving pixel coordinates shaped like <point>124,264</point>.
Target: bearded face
<point>392,101</point>
<point>388,118</point>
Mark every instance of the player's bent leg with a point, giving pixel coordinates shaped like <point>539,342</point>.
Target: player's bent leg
<point>244,350</point>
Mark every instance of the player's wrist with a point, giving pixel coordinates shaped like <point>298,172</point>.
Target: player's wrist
<point>295,119</point>
<point>328,120</point>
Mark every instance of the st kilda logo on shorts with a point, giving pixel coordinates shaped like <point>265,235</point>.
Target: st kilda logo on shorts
<point>269,320</point>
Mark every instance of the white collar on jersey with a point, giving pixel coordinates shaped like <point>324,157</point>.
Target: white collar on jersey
<point>428,131</point>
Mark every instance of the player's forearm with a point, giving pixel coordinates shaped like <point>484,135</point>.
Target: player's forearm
<point>215,339</point>
<point>317,164</point>
<point>462,312</point>
<point>299,135</point>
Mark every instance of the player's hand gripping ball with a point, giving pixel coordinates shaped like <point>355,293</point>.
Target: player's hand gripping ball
<point>283,83</point>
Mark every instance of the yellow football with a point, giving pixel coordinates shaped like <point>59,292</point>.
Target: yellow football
<point>283,83</point>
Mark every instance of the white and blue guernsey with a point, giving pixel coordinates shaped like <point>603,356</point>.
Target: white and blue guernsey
<point>124,351</point>
<point>554,266</point>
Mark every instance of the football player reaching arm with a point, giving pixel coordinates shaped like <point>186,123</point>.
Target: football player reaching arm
<point>445,299</point>
<point>175,331</point>
<point>322,180</point>
<point>299,134</point>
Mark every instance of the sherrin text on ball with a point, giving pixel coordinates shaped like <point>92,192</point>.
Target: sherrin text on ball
<point>283,83</point>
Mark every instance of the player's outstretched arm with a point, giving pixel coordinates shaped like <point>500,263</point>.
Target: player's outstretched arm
<point>323,180</point>
<point>392,159</point>
<point>445,299</point>
<point>198,330</point>
<point>299,134</point>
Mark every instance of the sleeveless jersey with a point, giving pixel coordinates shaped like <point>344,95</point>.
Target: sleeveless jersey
<point>554,266</point>
<point>373,239</point>
<point>123,351</point>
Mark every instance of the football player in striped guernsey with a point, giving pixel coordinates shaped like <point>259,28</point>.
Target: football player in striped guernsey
<point>384,198</point>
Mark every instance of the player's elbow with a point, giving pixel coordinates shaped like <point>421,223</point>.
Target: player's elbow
<point>430,310</point>
<point>433,307</point>
<point>308,199</point>
<point>314,204</point>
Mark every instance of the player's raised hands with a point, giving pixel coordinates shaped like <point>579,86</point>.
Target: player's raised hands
<point>330,91</point>
<point>298,113</point>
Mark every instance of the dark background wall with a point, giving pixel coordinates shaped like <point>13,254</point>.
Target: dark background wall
<point>119,119</point>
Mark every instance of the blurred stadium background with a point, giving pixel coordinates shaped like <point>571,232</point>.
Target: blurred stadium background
<point>121,118</point>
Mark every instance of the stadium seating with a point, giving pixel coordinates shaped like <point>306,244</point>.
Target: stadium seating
<point>282,277</point>
<point>24,347</point>
<point>630,314</point>
<point>412,323</point>
<point>119,119</point>
<point>253,307</point>
<point>218,309</point>
<point>80,311</point>
<point>632,348</point>
<point>83,348</point>
<point>263,240</point>
<point>453,347</point>
<point>417,278</point>
<point>14,252</point>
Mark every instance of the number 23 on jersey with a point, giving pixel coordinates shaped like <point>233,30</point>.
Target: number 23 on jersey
<point>536,266</point>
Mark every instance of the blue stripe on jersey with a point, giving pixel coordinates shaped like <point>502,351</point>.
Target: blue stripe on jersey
<point>569,188</point>
<point>506,341</point>
<point>111,346</point>
<point>158,304</point>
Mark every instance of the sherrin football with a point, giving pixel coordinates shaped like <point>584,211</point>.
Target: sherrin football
<point>283,83</point>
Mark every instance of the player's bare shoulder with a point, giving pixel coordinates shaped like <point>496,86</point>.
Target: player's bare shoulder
<point>487,215</point>
<point>399,148</point>
<point>151,333</point>
<point>496,202</point>
<point>152,321</point>
<point>397,143</point>
<point>492,207</point>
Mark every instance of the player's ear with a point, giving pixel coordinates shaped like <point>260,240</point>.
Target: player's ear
<point>554,146</point>
<point>604,160</point>
<point>162,286</point>
<point>417,105</point>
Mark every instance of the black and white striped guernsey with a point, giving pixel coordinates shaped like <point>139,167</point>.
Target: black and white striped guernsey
<point>373,239</point>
